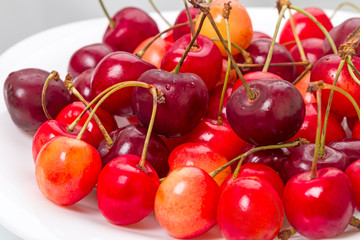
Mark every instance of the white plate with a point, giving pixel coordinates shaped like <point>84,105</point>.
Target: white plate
<point>24,211</point>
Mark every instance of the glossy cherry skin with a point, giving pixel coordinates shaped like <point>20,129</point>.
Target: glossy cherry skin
<point>115,68</point>
<point>334,130</point>
<point>67,169</point>
<point>339,35</point>
<point>209,71</point>
<point>259,49</point>
<point>183,18</point>
<point>82,83</point>
<point>301,158</point>
<point>22,93</point>
<point>132,26</point>
<point>51,129</point>
<point>73,110</point>
<point>274,116</point>
<point>312,48</point>
<point>232,73</point>
<point>319,207</point>
<point>257,35</point>
<point>325,69</point>
<point>305,27</point>
<point>219,137</point>
<point>87,57</point>
<point>353,173</point>
<point>239,215</point>
<point>201,156</point>
<point>126,193</point>
<point>214,101</point>
<point>349,146</point>
<point>356,129</point>
<point>130,140</point>
<point>188,196</point>
<point>186,99</point>
<point>255,76</point>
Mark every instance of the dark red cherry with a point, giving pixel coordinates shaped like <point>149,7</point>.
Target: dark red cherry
<point>209,71</point>
<point>259,49</point>
<point>257,35</point>
<point>82,83</point>
<point>132,26</point>
<point>22,93</point>
<point>186,99</point>
<point>339,35</point>
<point>115,68</point>
<point>274,116</point>
<point>349,146</point>
<point>183,18</point>
<point>214,101</point>
<point>130,140</point>
<point>87,57</point>
<point>301,158</point>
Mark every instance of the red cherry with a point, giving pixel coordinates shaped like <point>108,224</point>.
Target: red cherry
<point>255,76</point>
<point>353,173</point>
<point>356,129</point>
<point>82,83</point>
<point>67,169</point>
<point>257,35</point>
<point>126,193</point>
<point>182,18</point>
<point>319,207</point>
<point>214,101</point>
<point>249,208</point>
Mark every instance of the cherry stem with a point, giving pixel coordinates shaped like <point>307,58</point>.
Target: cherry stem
<point>271,50</point>
<point>111,21</point>
<point>226,13</point>
<point>206,11</point>
<point>159,13</point>
<point>352,70</point>
<point>298,142</point>
<point>297,39</point>
<point>322,28</point>
<point>183,57</point>
<point>318,136</point>
<point>303,73</point>
<point>192,29</point>
<point>70,86</point>
<point>342,5</point>
<point>286,234</point>
<point>284,64</point>
<point>53,75</point>
<point>244,53</point>
<point>355,222</point>
<point>142,52</point>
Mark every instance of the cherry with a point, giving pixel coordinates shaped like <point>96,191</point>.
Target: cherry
<point>241,34</point>
<point>87,57</point>
<point>126,193</point>
<point>274,116</point>
<point>214,101</point>
<point>131,27</point>
<point>325,69</point>
<point>51,129</point>
<point>208,71</point>
<point>182,18</point>
<point>305,27</point>
<point>349,146</point>
<point>82,83</point>
<point>115,68</point>
<point>353,173</point>
<point>67,169</point>
<point>22,93</point>
<point>249,208</point>
<point>301,158</point>
<point>319,207</point>
<point>232,73</point>
<point>339,35</point>
<point>130,140</point>
<point>356,129</point>
<point>186,99</point>
<point>255,76</point>
<point>258,51</point>
<point>201,156</point>
<point>70,113</point>
<point>188,196</point>
<point>257,35</point>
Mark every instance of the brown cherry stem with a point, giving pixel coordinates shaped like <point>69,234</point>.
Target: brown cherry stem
<point>53,75</point>
<point>318,136</point>
<point>341,5</point>
<point>111,21</point>
<point>288,43</point>
<point>355,222</point>
<point>298,142</point>
<point>244,53</point>
<point>286,234</point>
<point>226,14</point>
<point>159,13</point>
<point>284,64</point>
<point>303,73</point>
<point>70,86</point>
<point>206,11</point>
<point>297,39</point>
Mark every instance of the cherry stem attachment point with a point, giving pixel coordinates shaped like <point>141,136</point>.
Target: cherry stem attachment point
<point>355,222</point>
<point>53,75</point>
<point>286,234</point>
<point>111,21</point>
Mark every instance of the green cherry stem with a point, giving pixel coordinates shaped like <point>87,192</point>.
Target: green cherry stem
<point>53,75</point>
<point>295,143</point>
<point>318,136</point>
<point>192,29</point>
<point>297,39</point>
<point>342,5</point>
<point>111,21</point>
<point>159,13</point>
<point>352,70</point>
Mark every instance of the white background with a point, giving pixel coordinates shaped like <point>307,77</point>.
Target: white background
<point>22,18</point>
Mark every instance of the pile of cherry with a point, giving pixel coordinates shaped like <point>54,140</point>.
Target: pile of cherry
<point>204,144</point>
